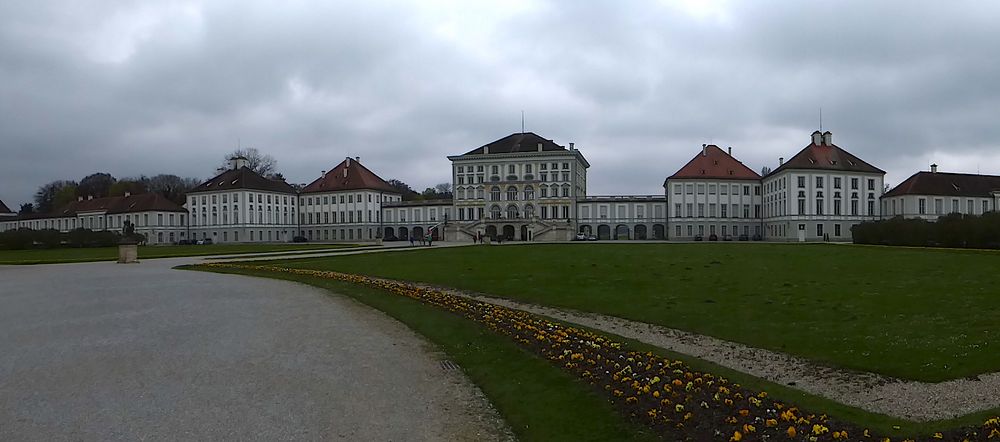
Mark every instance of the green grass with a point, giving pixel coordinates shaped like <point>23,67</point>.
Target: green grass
<point>927,315</point>
<point>539,401</point>
<point>51,256</point>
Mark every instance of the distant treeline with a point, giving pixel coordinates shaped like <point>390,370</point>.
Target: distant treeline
<point>954,230</point>
<point>21,239</point>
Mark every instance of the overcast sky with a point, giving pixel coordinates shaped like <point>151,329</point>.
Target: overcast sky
<point>149,87</point>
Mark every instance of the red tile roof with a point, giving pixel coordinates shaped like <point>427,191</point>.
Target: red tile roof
<point>4,209</point>
<point>827,157</point>
<point>242,178</point>
<point>714,163</point>
<point>121,204</point>
<point>947,184</point>
<point>350,174</point>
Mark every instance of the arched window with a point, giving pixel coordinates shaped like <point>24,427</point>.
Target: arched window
<point>529,211</point>
<point>512,212</point>
<point>529,193</point>
<point>545,191</point>
<point>565,191</point>
<point>495,211</point>
<point>554,191</point>
<point>461,193</point>
<point>495,194</point>
<point>479,193</point>
<point>511,193</point>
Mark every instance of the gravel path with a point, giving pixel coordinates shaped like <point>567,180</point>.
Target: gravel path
<point>100,351</point>
<point>917,401</point>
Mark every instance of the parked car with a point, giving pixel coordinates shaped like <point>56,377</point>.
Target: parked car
<point>713,237</point>
<point>699,238</point>
<point>580,237</point>
<point>744,237</point>
<point>591,238</point>
<point>206,241</point>
<point>299,239</point>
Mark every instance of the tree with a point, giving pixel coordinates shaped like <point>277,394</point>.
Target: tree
<point>258,162</point>
<point>172,187</point>
<point>54,195</point>
<point>97,185</point>
<point>403,189</point>
<point>26,209</point>
<point>134,186</point>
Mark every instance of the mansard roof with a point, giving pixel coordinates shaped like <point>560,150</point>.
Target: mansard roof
<point>517,143</point>
<point>242,178</point>
<point>947,184</point>
<point>714,163</point>
<point>4,210</point>
<point>350,174</point>
<point>824,155</point>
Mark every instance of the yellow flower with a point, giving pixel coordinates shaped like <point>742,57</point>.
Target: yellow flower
<point>736,436</point>
<point>791,432</point>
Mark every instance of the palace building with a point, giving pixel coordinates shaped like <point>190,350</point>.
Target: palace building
<point>930,195</point>
<point>525,187</point>
<point>240,205</point>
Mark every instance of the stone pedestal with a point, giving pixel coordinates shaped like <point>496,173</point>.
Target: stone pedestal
<point>128,253</point>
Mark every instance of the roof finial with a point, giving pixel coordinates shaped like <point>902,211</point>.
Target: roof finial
<point>522,121</point>
<point>821,118</point>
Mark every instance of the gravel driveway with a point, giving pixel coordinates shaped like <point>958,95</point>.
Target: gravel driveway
<point>101,351</point>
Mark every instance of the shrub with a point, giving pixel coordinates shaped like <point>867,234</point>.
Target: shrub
<point>953,230</point>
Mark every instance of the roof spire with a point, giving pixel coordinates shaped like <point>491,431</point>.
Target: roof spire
<point>522,121</point>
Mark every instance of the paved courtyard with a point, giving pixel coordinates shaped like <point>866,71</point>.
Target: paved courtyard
<point>101,351</point>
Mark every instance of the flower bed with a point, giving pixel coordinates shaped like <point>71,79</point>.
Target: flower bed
<point>676,401</point>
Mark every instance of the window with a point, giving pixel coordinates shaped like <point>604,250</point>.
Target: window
<point>723,209</point>
<point>495,194</point>
<point>511,169</point>
<point>511,193</point>
<point>711,189</point>
<point>678,189</point>
<point>802,181</point>
<point>746,190</point>
<point>701,189</point>
<point>802,207</point>
<point>819,182</point>
<point>871,184</point>
<point>836,185</point>
<point>819,230</point>
<point>954,206</point>
<point>529,193</point>
<point>701,210</point>
<point>922,206</point>
<point>854,207</point>
<point>711,210</point>
<point>677,211</point>
<point>986,206</point>
<point>854,184</point>
<point>819,206</point>
<point>938,203</point>
<point>544,191</point>
<point>836,207</point>
<point>565,191</point>
<point>836,230</point>
<point>495,212</point>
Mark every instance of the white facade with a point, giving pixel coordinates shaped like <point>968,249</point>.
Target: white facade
<point>622,217</point>
<point>242,215</point>
<point>525,194</point>
<point>728,209</point>
<point>406,219</point>
<point>809,205</point>
<point>157,226</point>
<point>347,215</point>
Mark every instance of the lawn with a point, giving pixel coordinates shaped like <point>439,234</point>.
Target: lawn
<point>48,256</point>
<point>918,314</point>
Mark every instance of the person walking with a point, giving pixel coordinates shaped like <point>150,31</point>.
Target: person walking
<point>412,241</point>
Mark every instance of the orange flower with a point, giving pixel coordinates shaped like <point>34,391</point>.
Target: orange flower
<point>791,432</point>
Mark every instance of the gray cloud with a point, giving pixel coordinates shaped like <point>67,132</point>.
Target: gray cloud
<point>169,87</point>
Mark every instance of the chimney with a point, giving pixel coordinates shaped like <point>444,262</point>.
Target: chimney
<point>781,161</point>
<point>730,150</point>
<point>348,162</point>
<point>704,150</point>
<point>128,194</point>
<point>817,138</point>
<point>357,160</point>
<point>486,149</point>
<point>933,168</point>
<point>90,197</point>
<point>79,198</point>
<point>539,147</point>
<point>828,138</point>
<point>322,173</point>
<point>238,162</point>
<point>572,146</point>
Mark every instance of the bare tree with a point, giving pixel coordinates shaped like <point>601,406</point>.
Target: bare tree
<point>258,162</point>
<point>54,195</point>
